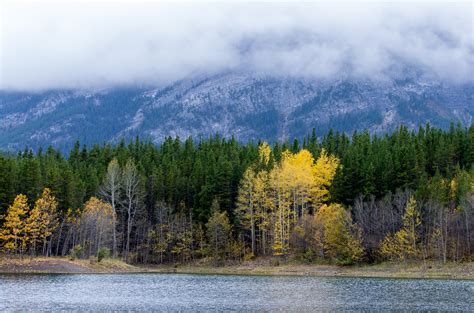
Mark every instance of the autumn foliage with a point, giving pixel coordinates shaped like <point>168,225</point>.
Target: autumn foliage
<point>408,195</point>
<point>25,228</point>
<point>272,202</point>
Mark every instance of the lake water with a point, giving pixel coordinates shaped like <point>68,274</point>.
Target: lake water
<point>180,292</point>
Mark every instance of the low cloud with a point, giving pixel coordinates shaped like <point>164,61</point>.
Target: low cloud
<point>102,44</point>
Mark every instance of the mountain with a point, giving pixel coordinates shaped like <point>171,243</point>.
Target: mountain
<point>247,105</point>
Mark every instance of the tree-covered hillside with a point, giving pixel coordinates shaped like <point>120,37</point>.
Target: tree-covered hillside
<point>408,194</point>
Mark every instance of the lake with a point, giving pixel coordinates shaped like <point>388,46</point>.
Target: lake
<point>181,292</point>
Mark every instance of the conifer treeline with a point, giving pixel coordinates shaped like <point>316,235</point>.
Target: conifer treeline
<point>404,194</point>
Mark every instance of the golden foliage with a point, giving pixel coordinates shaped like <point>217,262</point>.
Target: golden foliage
<point>341,239</point>
<point>324,171</point>
<point>99,210</point>
<point>264,152</point>
<point>12,233</point>
<point>25,228</point>
<point>219,232</point>
<point>403,244</point>
<point>41,221</point>
<point>272,202</point>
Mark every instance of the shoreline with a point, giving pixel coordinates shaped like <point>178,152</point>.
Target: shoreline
<point>412,270</point>
<point>464,271</point>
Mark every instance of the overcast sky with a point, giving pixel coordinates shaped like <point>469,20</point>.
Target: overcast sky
<point>100,44</point>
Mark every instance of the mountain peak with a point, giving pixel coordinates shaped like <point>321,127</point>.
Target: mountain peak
<point>247,105</point>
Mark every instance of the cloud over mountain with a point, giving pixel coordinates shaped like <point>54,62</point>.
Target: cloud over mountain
<point>100,44</point>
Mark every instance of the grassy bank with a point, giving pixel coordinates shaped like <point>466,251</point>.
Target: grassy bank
<point>429,269</point>
<point>63,265</point>
<point>384,270</point>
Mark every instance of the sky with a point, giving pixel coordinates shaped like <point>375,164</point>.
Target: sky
<point>85,44</point>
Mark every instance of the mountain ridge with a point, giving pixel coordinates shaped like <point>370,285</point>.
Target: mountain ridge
<point>248,106</point>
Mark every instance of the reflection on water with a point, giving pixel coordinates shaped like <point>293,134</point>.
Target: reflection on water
<point>214,292</point>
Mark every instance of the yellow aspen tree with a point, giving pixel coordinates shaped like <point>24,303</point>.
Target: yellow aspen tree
<point>299,179</point>
<point>41,221</point>
<point>246,204</point>
<point>264,204</point>
<point>403,243</point>
<point>264,208</point>
<point>219,231</point>
<point>11,234</point>
<point>281,216</point>
<point>340,238</point>
<point>300,183</point>
<point>324,171</point>
<point>264,152</point>
<point>96,225</point>
<point>273,202</point>
<point>277,216</point>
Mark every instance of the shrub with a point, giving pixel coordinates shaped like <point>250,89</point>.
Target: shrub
<point>103,253</point>
<point>76,252</point>
<point>248,256</point>
<point>308,255</point>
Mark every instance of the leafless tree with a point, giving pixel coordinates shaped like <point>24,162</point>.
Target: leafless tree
<point>110,192</point>
<point>133,199</point>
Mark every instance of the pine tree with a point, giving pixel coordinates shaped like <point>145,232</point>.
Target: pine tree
<point>7,184</point>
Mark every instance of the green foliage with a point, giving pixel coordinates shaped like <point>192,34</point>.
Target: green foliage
<point>196,173</point>
<point>103,253</point>
<point>190,176</point>
<point>77,252</point>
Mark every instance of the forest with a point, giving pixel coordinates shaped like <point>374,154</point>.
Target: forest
<point>406,195</point>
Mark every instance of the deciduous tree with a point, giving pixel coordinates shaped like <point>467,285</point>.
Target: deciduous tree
<point>12,233</point>
<point>403,244</point>
<point>341,239</point>
<point>110,191</point>
<point>218,232</point>
<point>41,221</point>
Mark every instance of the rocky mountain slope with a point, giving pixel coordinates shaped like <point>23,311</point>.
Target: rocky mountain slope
<point>249,106</point>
